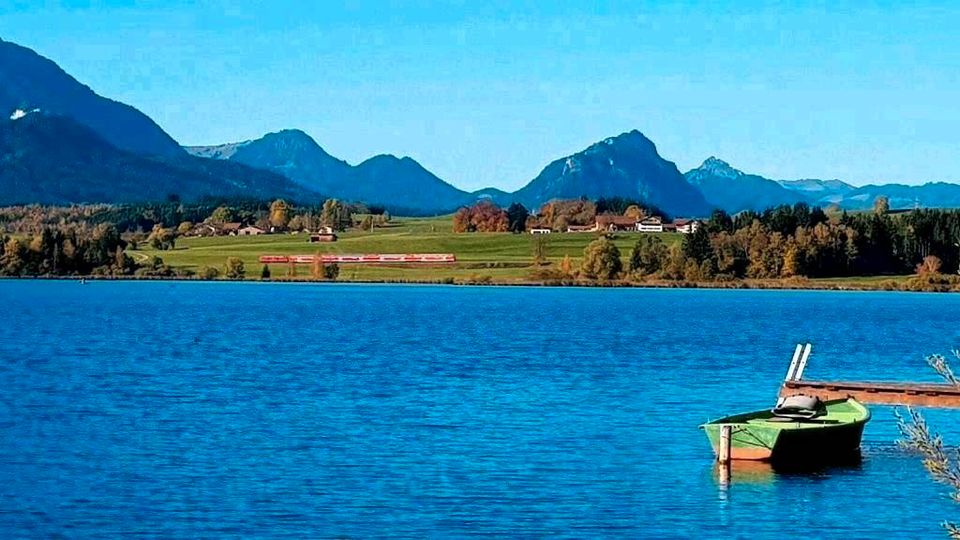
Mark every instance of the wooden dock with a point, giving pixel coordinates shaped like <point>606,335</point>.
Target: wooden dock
<point>944,396</point>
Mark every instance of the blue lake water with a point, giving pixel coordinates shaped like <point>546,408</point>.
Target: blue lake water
<point>278,410</point>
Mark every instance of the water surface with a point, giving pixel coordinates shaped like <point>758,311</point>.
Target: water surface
<point>282,410</point>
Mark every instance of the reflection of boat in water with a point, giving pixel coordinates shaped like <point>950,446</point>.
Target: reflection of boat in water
<point>800,429</point>
<point>766,472</point>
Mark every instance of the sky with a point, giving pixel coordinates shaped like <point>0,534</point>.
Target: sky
<point>487,93</point>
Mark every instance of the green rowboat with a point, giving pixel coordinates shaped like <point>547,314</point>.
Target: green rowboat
<point>814,431</point>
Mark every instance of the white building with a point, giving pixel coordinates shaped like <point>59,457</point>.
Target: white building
<point>250,230</point>
<point>650,225</point>
<point>686,226</point>
<point>540,230</point>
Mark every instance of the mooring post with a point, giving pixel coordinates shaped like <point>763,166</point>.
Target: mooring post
<point>723,449</point>
<point>723,454</point>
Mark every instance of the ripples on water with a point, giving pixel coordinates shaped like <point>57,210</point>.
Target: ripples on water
<point>271,410</point>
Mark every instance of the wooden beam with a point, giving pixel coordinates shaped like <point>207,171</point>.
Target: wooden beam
<point>944,396</point>
<point>793,363</point>
<point>803,362</point>
<point>723,449</point>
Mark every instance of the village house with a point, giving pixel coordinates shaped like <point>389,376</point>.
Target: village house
<point>323,234</point>
<point>204,229</point>
<point>230,229</point>
<point>581,228</point>
<point>250,230</point>
<point>540,230</point>
<point>651,224</point>
<point>612,223</point>
<point>686,226</point>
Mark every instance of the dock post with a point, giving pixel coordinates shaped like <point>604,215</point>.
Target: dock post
<point>723,449</point>
<point>723,455</point>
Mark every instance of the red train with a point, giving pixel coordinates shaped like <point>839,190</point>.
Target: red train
<point>366,258</point>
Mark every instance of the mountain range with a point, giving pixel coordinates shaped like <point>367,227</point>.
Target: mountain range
<point>51,159</point>
<point>383,179</point>
<point>64,143</point>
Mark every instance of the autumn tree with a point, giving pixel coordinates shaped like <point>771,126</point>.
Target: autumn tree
<point>162,238</point>
<point>280,212</point>
<point>481,217</point>
<point>233,268</point>
<point>930,266</point>
<point>601,260</point>
<point>366,223</point>
<point>881,205</point>
<point>648,256</point>
<point>335,215</point>
<point>222,214</point>
<point>560,214</point>
<point>635,212</point>
<point>317,268</point>
<point>539,248</point>
<point>208,273</point>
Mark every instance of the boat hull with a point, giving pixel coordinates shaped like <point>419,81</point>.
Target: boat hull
<point>758,437</point>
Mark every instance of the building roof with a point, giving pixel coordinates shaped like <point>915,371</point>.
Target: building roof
<point>231,226</point>
<point>622,221</point>
<point>652,220</point>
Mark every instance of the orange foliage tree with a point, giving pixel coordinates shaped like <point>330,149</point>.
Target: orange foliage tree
<point>481,217</point>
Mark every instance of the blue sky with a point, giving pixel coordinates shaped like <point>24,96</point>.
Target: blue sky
<point>486,93</point>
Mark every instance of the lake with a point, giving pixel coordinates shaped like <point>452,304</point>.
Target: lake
<point>192,410</point>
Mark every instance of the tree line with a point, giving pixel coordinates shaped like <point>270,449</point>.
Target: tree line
<point>144,217</point>
<point>557,215</point>
<point>786,242</point>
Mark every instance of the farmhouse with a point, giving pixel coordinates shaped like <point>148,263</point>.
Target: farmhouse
<point>686,226</point>
<point>614,223</point>
<point>650,224</point>
<point>323,234</point>
<point>250,230</point>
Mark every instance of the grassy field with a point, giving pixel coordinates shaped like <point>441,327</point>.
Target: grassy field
<point>501,256</point>
<point>497,257</point>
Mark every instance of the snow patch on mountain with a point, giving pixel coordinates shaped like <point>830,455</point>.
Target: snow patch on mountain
<point>20,113</point>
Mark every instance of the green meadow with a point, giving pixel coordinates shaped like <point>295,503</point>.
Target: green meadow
<point>481,257</point>
<point>503,257</point>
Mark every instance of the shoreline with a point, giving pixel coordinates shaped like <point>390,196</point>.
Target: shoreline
<point>794,285</point>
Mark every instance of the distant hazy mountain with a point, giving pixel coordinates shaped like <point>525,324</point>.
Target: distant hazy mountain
<point>29,81</point>
<point>492,194</point>
<point>931,195</point>
<point>55,160</point>
<point>735,191</point>
<point>398,183</point>
<point>624,166</point>
<point>823,192</point>
<point>291,153</point>
<point>402,182</point>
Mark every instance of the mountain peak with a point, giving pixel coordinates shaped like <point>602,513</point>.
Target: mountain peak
<point>720,168</point>
<point>29,80</point>
<point>626,165</point>
<point>632,137</point>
